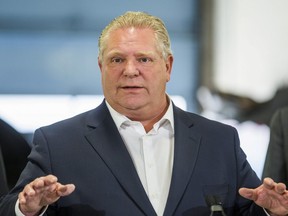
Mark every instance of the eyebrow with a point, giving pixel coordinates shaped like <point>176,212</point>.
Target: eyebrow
<point>140,53</point>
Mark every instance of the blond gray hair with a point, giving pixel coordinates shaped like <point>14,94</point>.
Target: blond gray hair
<point>137,20</point>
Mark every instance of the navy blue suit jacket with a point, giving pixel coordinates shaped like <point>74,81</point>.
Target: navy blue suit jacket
<point>87,150</point>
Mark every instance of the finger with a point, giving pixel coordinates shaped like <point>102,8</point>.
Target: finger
<point>37,183</point>
<point>29,190</point>
<point>269,183</point>
<point>22,198</point>
<point>51,188</point>
<point>40,185</point>
<point>64,190</point>
<point>280,188</point>
<point>44,181</point>
<point>50,179</point>
<point>247,193</point>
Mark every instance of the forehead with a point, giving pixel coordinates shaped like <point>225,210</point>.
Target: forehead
<point>132,41</point>
<point>132,36</point>
<point>133,29</point>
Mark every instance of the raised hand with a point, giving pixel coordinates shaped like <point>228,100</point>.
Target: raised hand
<point>41,192</point>
<point>270,195</point>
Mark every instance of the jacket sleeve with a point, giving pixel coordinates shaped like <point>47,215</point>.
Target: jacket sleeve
<point>246,177</point>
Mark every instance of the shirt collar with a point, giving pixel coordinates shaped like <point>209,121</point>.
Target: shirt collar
<point>119,119</point>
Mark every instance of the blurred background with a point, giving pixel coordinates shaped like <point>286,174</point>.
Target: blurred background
<point>48,55</point>
<point>230,61</point>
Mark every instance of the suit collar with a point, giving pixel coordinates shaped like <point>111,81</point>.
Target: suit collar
<point>119,118</point>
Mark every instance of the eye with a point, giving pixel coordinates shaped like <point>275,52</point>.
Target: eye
<point>144,60</point>
<point>117,60</point>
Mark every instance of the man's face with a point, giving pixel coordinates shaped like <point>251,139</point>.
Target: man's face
<point>134,73</point>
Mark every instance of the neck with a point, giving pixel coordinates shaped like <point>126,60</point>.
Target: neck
<point>146,116</point>
<point>148,125</point>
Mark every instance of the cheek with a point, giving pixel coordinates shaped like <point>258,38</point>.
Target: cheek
<point>110,79</point>
<point>105,77</point>
<point>158,83</point>
<point>107,74</point>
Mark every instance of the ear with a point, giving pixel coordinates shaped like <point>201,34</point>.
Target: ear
<point>100,64</point>
<point>169,63</point>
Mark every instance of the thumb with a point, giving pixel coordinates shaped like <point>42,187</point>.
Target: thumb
<point>247,193</point>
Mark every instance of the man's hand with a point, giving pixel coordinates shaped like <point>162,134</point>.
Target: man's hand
<point>270,195</point>
<point>41,192</point>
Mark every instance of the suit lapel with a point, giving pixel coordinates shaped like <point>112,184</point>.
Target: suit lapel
<point>186,149</point>
<point>107,142</point>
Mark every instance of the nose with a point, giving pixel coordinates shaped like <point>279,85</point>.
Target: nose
<point>131,69</point>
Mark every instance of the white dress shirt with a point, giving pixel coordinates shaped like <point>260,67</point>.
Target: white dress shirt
<point>152,154</point>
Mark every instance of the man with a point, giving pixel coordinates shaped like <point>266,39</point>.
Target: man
<point>277,155</point>
<point>15,150</point>
<point>137,153</point>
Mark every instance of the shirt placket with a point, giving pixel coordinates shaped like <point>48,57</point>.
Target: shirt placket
<point>151,170</point>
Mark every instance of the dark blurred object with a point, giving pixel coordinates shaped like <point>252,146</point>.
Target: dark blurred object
<point>276,163</point>
<point>15,150</point>
<point>242,109</point>
<point>215,204</point>
<point>3,180</point>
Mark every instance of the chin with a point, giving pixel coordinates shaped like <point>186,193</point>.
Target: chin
<point>132,105</point>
